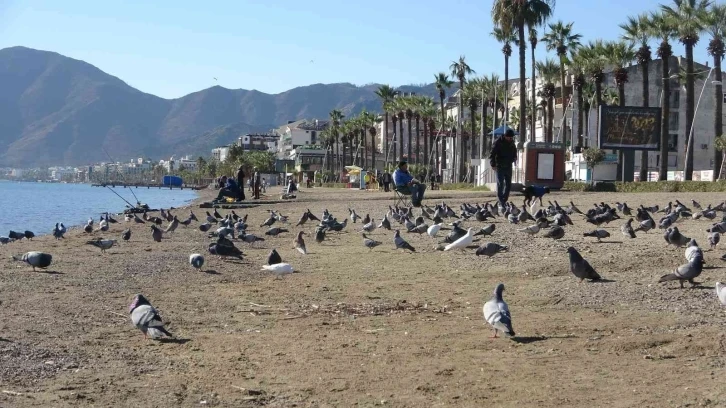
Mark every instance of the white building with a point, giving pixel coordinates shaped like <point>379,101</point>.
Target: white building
<point>299,133</point>
<point>259,142</point>
<point>220,153</point>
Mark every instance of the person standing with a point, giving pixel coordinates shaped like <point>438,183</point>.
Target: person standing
<point>241,183</point>
<point>256,183</point>
<point>386,181</point>
<point>501,159</point>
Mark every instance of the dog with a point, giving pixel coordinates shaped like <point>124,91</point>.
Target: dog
<point>534,193</point>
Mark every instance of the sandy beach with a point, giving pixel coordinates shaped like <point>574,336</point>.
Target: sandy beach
<point>364,328</point>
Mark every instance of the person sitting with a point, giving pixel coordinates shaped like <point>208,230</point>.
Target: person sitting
<point>230,189</point>
<point>406,184</point>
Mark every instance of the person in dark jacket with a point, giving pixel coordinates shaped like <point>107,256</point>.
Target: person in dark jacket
<point>501,159</point>
<point>230,189</point>
<point>241,183</point>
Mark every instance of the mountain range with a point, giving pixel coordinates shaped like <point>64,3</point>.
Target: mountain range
<point>56,110</point>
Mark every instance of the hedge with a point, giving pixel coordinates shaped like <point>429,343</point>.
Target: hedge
<point>462,187</point>
<point>649,187</point>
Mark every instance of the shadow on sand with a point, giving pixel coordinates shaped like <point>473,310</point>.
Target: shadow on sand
<point>529,339</point>
<point>49,272</point>
<point>174,341</point>
<point>212,272</point>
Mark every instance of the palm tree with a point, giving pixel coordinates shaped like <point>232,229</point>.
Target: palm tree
<point>408,105</point>
<point>620,54</point>
<point>548,70</point>
<point>690,15</point>
<point>427,110</point>
<point>593,62</point>
<point>472,99</point>
<point>663,27</point>
<point>386,93</point>
<point>578,82</point>
<point>506,38</point>
<point>416,107</point>
<point>335,117</point>
<point>401,108</point>
<point>516,14</point>
<point>716,26</point>
<point>561,39</point>
<point>442,83</point>
<point>533,44</point>
<point>636,31</point>
<point>460,69</point>
<point>394,120</point>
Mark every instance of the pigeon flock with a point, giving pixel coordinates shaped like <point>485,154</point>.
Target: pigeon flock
<point>439,225</point>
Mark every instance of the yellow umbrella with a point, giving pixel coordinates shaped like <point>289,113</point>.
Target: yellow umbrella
<point>353,169</point>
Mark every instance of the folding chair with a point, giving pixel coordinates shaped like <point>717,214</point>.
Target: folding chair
<point>401,197</point>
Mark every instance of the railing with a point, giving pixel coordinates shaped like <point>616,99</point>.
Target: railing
<point>490,176</point>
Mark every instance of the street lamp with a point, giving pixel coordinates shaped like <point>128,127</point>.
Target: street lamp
<point>693,121</point>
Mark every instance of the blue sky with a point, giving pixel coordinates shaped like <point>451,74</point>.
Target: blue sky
<point>172,48</point>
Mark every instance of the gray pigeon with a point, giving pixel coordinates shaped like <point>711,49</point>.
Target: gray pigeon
<point>676,238</point>
<point>320,234</point>
<point>103,244</point>
<point>496,313</point>
<point>275,231</point>
<point>156,233</point>
<point>486,231</point>
<point>173,225</point>
<point>370,243</point>
<point>303,219</point>
<point>35,259</point>
<point>555,233</point>
<point>385,223</point>
<point>580,267</point>
<point>126,235</point>
<point>598,233</point>
<point>490,249</point>
<point>4,240</point>
<point>685,272</point>
<point>627,229</point>
<point>713,239</point>
<point>274,258</point>
<point>401,243</point>
<point>300,243</point>
<point>146,318</point>
<point>205,227</point>
<point>196,261</point>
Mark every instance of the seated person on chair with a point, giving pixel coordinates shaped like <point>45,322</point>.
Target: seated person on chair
<point>406,184</point>
<point>230,189</point>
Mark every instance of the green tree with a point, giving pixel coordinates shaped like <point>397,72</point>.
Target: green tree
<point>442,83</point>
<point>506,38</point>
<point>386,94</point>
<point>336,117</point>
<point>460,69</point>
<point>690,16</point>
<point>716,27</point>
<point>593,157</point>
<point>548,70</point>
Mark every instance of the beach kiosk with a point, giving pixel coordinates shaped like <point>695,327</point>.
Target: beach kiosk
<point>544,164</point>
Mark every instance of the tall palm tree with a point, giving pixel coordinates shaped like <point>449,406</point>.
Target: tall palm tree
<point>593,63</point>
<point>663,27</point>
<point>472,99</point>
<point>636,31</point>
<point>690,15</point>
<point>401,108</point>
<point>335,117</point>
<point>620,54</point>
<point>514,15</point>
<point>506,38</point>
<point>409,102</point>
<point>416,107</point>
<point>442,83</point>
<point>578,82</point>
<point>428,112</point>
<point>396,136</point>
<point>548,71</point>
<point>561,39</point>
<point>385,93</point>
<point>533,44</point>
<point>460,69</point>
<point>716,26</point>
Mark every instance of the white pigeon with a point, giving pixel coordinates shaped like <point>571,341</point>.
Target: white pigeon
<point>89,222</point>
<point>531,230</point>
<point>721,292</point>
<point>369,227</point>
<point>692,251</point>
<point>434,230</point>
<point>279,269</point>
<point>462,242</point>
<point>196,260</point>
<point>496,313</point>
<point>128,217</point>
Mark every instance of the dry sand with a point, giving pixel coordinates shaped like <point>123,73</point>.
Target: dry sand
<point>360,328</point>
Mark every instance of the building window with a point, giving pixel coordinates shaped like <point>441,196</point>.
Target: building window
<point>672,160</point>
<point>673,142</point>
<point>313,134</point>
<point>675,101</point>
<point>673,122</point>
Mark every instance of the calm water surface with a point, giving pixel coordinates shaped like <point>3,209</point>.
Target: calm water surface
<point>38,206</point>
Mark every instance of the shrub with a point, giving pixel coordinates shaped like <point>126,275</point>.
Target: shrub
<point>649,187</point>
<point>462,186</point>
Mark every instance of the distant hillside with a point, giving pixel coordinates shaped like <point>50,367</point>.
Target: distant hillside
<point>55,110</point>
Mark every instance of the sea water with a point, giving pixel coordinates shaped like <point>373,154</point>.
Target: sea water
<point>38,206</point>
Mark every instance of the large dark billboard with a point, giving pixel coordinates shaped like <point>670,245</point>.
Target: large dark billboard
<point>629,127</point>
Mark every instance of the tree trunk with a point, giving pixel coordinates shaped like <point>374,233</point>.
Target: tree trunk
<point>400,138</point>
<point>426,142</point>
<point>534,98</point>
<point>460,133</point>
<point>485,133</point>
<point>664,125</point>
<point>718,119</point>
<point>721,173</point>
<point>690,103</point>
<point>550,120</point>
<point>439,159</point>
<point>646,103</point>
<point>408,139</point>
<point>522,85</point>
<point>337,152</point>
<point>506,88</point>
<point>364,135</point>
<point>563,103</point>
<point>620,152</point>
<point>418,141</point>
<point>374,147</point>
<point>598,103</point>
<point>385,138</point>
<point>579,118</point>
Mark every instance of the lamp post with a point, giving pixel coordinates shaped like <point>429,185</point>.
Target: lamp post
<point>690,132</point>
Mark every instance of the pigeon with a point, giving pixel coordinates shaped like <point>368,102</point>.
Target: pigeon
<point>370,243</point>
<point>685,272</point>
<point>496,313</point>
<point>196,261</point>
<point>279,269</point>
<point>103,226</point>
<point>104,244</point>
<point>369,226</point>
<point>366,219</point>
<point>580,267</point>
<point>721,292</point>
<point>4,240</point>
<point>275,231</point>
<point>676,238</point>
<point>88,229</point>
<point>531,230</point>
<point>303,219</point>
<point>156,233</point>
<point>274,258</point>
<point>692,250</point>
<point>192,216</point>
<point>126,235</point>
<point>598,233</point>
<point>385,223</point>
<point>713,239</point>
<point>401,243</point>
<point>29,235</point>
<point>433,230</point>
<point>211,219</point>
<point>353,215</point>
<point>269,221</point>
<point>627,228</point>
<point>138,220</point>
<point>224,250</point>
<point>490,249</point>
<point>35,259</point>
<point>300,243</point>
<point>486,231</point>
<point>319,235</point>
<point>186,222</point>
<point>173,225</point>
<point>205,227</point>
<point>555,233</point>
<point>462,242</point>
<point>249,238</point>
<point>146,318</point>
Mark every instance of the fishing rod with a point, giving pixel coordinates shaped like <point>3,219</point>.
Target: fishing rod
<point>124,179</point>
